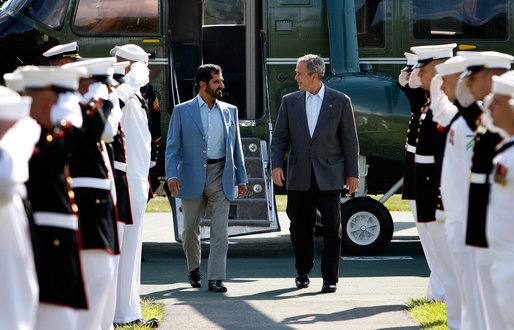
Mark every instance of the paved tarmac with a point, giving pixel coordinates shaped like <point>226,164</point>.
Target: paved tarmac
<point>261,293</point>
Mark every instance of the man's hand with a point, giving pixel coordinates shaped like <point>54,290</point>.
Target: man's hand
<point>174,186</point>
<point>278,176</point>
<point>352,183</point>
<point>241,191</point>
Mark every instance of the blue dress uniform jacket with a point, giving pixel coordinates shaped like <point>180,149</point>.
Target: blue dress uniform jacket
<point>481,167</point>
<point>150,104</point>
<point>97,215</point>
<point>120,178</point>
<point>56,245</point>
<point>428,164</point>
<point>417,97</point>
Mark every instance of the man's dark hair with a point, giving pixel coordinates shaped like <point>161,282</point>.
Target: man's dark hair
<point>204,73</point>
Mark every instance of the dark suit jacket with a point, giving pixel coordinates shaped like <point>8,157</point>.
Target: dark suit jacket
<point>333,150</point>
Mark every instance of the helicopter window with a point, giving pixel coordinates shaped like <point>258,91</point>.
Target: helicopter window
<point>223,12</point>
<point>460,19</point>
<point>48,12</point>
<point>370,16</point>
<point>117,16</point>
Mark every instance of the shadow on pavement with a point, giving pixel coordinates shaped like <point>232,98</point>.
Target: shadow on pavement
<point>350,314</point>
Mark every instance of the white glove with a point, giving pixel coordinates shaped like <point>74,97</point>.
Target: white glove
<point>487,120</point>
<point>125,92</point>
<point>442,109</point>
<point>67,108</point>
<point>98,90</point>
<point>440,217</point>
<point>138,76</point>
<point>415,80</point>
<point>403,78</point>
<point>463,93</point>
<point>19,142</point>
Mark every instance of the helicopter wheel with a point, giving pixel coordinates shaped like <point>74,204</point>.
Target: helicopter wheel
<point>367,226</point>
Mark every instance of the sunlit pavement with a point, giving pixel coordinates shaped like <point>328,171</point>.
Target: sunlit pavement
<point>261,293</point>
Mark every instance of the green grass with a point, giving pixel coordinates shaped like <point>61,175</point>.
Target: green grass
<point>429,314</point>
<point>395,203</point>
<point>158,204</point>
<point>150,309</point>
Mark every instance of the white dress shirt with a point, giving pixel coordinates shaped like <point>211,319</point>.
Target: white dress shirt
<point>313,107</point>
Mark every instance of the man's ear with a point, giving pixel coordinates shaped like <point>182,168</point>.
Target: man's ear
<point>202,84</point>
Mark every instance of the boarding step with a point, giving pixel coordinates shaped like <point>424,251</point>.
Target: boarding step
<point>246,208</point>
<point>254,167</point>
<point>256,188</point>
<point>251,147</point>
<point>240,222</point>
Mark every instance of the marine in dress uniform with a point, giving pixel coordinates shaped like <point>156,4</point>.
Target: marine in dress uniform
<point>62,54</point>
<point>410,84</point>
<point>18,135</point>
<point>120,157</point>
<point>138,145</point>
<point>93,183</point>
<point>56,232</point>
<point>450,113</point>
<point>481,67</point>
<point>150,103</point>
<point>427,173</point>
<point>500,220</point>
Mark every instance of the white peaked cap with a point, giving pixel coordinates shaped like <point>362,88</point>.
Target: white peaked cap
<point>456,64</point>
<point>503,84</point>
<point>14,80</point>
<point>12,105</point>
<point>47,77</point>
<point>131,52</point>
<point>95,67</point>
<point>65,50</point>
<point>427,54</point>
<point>477,61</point>
<point>119,67</point>
<point>412,60</point>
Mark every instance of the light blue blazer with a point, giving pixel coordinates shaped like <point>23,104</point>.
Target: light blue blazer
<point>186,157</point>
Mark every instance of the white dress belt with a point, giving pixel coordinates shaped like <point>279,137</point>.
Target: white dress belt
<point>420,159</point>
<point>96,183</point>
<point>411,148</point>
<point>120,166</point>
<point>52,219</point>
<point>479,178</point>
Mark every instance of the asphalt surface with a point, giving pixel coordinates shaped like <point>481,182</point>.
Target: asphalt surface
<point>371,294</point>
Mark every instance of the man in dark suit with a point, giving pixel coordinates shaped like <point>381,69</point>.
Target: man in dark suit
<point>318,126</point>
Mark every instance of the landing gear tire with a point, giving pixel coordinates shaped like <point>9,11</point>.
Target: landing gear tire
<point>367,226</point>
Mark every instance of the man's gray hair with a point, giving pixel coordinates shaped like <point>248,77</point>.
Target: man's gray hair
<point>314,63</point>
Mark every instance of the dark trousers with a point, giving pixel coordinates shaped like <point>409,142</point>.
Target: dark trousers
<point>301,210</point>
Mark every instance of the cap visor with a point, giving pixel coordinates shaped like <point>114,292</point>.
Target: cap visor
<point>420,65</point>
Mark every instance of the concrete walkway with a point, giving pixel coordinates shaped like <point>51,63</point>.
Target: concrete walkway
<point>261,292</point>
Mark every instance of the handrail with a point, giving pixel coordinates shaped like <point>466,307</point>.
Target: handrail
<point>173,75</point>
<point>266,87</point>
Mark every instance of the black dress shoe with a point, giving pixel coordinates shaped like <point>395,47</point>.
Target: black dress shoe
<point>302,281</point>
<point>152,323</point>
<point>217,286</point>
<point>328,287</point>
<point>195,278</point>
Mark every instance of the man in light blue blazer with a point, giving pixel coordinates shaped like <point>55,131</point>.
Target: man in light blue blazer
<point>204,163</point>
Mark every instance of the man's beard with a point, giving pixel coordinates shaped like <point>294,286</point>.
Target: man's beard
<point>214,93</point>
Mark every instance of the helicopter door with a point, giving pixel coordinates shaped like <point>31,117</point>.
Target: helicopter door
<point>226,40</point>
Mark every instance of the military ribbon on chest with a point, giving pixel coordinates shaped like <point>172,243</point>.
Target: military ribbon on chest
<point>500,174</point>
